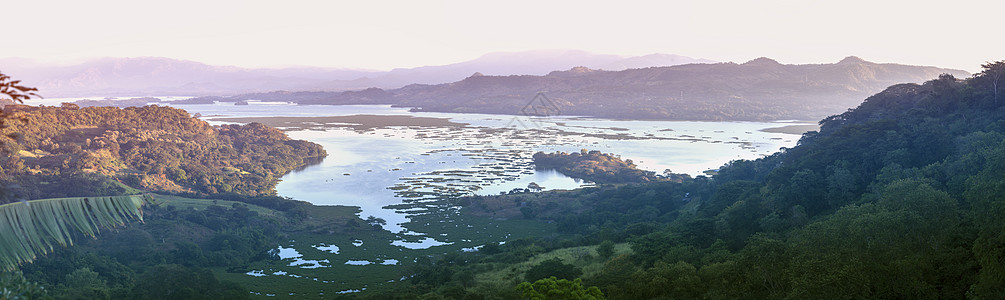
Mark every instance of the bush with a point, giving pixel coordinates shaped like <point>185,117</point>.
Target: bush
<point>552,268</point>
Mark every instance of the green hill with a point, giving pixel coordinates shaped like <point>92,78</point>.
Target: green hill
<point>899,198</point>
<point>70,151</point>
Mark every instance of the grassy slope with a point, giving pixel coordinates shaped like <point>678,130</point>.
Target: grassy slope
<point>200,204</point>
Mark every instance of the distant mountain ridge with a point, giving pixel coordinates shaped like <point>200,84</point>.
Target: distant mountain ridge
<point>156,76</point>
<point>759,90</point>
<point>538,62</point>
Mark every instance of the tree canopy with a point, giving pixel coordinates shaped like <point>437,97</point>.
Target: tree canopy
<point>78,150</point>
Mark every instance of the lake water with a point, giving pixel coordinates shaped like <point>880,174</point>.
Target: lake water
<point>403,174</point>
<point>383,168</point>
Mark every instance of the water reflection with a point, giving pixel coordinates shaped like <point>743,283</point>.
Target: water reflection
<point>399,173</point>
<point>309,162</point>
<point>424,243</point>
<point>296,259</point>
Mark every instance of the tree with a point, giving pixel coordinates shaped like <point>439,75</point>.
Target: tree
<point>528,213</point>
<point>17,94</point>
<point>989,253</point>
<point>377,223</point>
<point>993,71</point>
<point>606,249</point>
<point>552,268</point>
<point>553,288</point>
<point>535,187</point>
<point>84,283</point>
<point>13,285</point>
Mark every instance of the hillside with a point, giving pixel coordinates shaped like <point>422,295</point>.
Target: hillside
<point>761,90</point>
<point>899,198</point>
<point>70,151</point>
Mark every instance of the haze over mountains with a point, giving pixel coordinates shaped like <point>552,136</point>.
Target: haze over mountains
<point>657,86</point>
<point>160,76</point>
<point>155,76</point>
<point>761,89</point>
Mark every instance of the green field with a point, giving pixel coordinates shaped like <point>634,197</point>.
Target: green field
<point>199,204</point>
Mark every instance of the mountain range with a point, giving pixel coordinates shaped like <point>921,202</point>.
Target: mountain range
<point>156,76</point>
<point>759,90</point>
<point>657,86</point>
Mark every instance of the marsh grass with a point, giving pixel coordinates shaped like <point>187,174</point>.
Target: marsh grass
<point>375,246</point>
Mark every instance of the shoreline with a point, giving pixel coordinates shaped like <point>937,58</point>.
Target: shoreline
<point>357,122</point>
<point>792,129</point>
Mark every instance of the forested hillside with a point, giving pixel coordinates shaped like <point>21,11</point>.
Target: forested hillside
<point>99,151</point>
<point>900,198</point>
<point>71,151</point>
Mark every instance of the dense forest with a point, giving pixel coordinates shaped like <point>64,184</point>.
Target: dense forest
<point>761,89</point>
<point>898,198</point>
<point>71,151</point>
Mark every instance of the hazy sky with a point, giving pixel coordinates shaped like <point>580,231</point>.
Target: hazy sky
<point>375,34</point>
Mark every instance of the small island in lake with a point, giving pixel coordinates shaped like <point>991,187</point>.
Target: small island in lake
<point>600,167</point>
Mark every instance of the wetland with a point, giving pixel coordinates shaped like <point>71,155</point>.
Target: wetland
<point>398,187</point>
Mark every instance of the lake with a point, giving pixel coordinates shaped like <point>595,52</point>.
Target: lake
<point>384,165</point>
<point>388,163</point>
<point>409,168</point>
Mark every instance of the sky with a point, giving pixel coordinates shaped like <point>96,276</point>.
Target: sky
<point>381,35</point>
